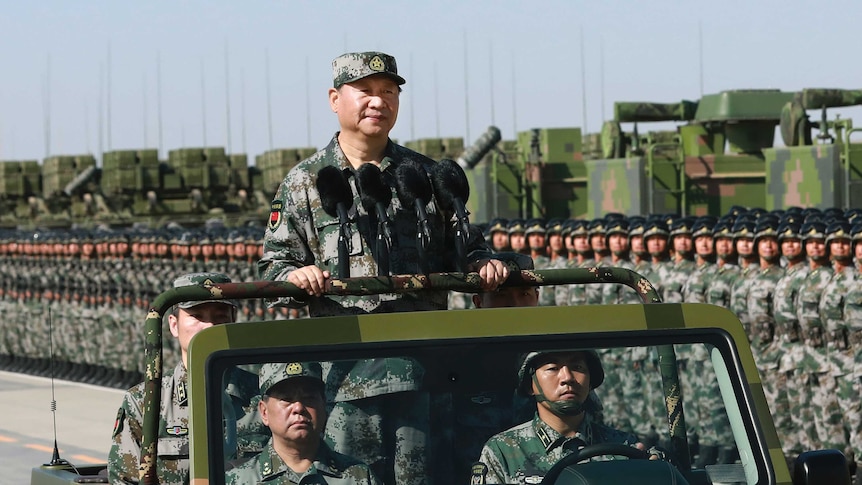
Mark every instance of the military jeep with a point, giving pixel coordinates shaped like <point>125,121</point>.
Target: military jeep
<point>468,359</point>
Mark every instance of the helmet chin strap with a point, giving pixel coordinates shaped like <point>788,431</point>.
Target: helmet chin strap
<point>566,407</point>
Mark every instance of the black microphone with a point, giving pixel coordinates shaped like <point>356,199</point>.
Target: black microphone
<point>453,190</point>
<point>414,189</point>
<point>337,198</point>
<point>376,195</point>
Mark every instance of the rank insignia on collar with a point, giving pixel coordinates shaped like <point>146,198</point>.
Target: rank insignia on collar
<point>177,430</point>
<point>478,473</point>
<point>275,214</point>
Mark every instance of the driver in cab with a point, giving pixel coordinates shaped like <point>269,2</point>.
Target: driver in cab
<point>565,420</point>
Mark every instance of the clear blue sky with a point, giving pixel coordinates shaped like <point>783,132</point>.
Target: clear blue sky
<point>531,49</point>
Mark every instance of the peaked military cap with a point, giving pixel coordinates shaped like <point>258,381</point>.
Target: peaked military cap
<point>856,232</point>
<point>354,66</point>
<point>837,230</point>
<point>743,229</point>
<point>636,228</point>
<point>534,225</point>
<point>497,225</point>
<point>272,374</point>
<point>206,280</point>
<point>614,216</point>
<point>766,228</point>
<point>554,226</point>
<point>737,210</point>
<point>597,226</point>
<point>681,226</point>
<point>813,230</point>
<point>703,226</point>
<point>655,228</point>
<point>789,230</point>
<point>515,226</point>
<point>619,226</point>
<point>579,228</point>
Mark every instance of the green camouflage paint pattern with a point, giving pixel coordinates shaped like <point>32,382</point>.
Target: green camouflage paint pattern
<point>805,176</point>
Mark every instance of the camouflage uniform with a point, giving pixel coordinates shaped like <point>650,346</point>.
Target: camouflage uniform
<point>788,420</point>
<point>852,381</point>
<point>329,467</point>
<point>525,453</point>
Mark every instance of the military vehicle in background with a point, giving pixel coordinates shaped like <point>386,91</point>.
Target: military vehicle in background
<point>134,186</point>
<point>721,154</point>
<point>466,354</point>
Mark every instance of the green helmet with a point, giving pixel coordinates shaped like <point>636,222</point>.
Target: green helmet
<point>527,369</point>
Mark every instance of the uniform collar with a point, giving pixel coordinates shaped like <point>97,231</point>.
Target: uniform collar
<point>181,396</point>
<point>271,465</point>
<point>552,439</point>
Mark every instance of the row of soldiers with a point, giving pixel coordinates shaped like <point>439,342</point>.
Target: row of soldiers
<point>82,295</point>
<point>792,277</point>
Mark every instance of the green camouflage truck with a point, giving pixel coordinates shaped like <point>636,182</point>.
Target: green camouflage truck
<point>465,354</point>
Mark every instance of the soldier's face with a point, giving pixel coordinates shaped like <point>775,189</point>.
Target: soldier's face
<point>724,246</point>
<point>637,244</point>
<point>294,411</point>
<point>767,248</point>
<point>682,243</point>
<point>815,248</point>
<point>703,245</point>
<point>581,243</point>
<point>618,243</point>
<point>500,240</point>
<point>367,107</point>
<point>839,248</point>
<point>517,240</point>
<point>195,250</point>
<point>189,321</point>
<point>745,246</point>
<point>555,242</point>
<point>597,242</point>
<point>857,248</point>
<point>536,241</point>
<point>791,248</point>
<point>656,244</point>
<point>563,376</point>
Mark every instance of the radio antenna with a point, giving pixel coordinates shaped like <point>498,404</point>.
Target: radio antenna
<point>55,458</point>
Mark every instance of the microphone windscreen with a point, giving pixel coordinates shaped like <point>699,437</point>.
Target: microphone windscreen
<point>372,188</point>
<point>412,183</point>
<point>450,182</point>
<point>333,189</point>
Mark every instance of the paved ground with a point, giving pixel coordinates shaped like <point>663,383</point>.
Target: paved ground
<point>85,417</point>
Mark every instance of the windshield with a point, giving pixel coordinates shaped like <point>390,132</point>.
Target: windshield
<point>450,404</point>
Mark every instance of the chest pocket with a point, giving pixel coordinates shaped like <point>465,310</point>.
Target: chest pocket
<point>173,448</point>
<point>327,228</point>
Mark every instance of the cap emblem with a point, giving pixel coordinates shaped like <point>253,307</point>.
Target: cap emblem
<point>376,64</point>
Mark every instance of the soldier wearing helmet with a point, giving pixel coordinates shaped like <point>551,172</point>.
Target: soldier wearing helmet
<point>560,382</point>
<point>814,367</point>
<point>743,238</point>
<point>842,386</point>
<point>853,328</point>
<point>718,291</point>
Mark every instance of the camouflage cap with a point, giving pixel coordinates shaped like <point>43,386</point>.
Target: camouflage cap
<point>274,373</point>
<point>202,279</point>
<point>354,66</point>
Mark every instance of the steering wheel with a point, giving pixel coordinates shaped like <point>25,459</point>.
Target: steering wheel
<point>592,451</point>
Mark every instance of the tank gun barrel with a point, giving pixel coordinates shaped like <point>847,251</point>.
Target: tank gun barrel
<point>816,98</point>
<point>474,153</point>
<point>625,111</point>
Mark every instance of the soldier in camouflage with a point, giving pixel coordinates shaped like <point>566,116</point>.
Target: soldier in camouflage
<point>843,397</point>
<point>743,240</point>
<point>560,383</point>
<point>172,467</point>
<point>682,265</point>
<point>517,238</point>
<point>718,291</point>
<point>852,381</point>
<point>787,417</point>
<point>499,236</point>
<point>814,369</point>
<point>695,287</point>
<point>655,238</point>
<point>293,406</point>
<point>301,246</point>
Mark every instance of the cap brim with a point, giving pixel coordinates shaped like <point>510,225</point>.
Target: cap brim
<point>191,304</point>
<point>395,77</point>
